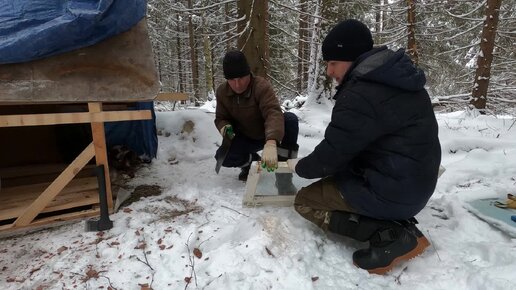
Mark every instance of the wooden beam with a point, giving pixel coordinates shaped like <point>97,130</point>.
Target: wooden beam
<point>172,97</point>
<point>35,169</point>
<point>62,201</point>
<point>55,187</point>
<point>72,118</point>
<point>8,230</point>
<point>25,194</point>
<point>101,158</point>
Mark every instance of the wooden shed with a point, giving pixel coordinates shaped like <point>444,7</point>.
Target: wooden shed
<point>46,165</point>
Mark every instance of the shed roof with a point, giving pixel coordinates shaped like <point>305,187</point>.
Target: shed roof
<point>118,69</point>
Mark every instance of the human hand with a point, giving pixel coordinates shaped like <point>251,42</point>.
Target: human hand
<point>270,156</point>
<point>227,130</point>
<point>292,164</point>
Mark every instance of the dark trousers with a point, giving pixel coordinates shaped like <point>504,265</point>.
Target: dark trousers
<point>243,148</point>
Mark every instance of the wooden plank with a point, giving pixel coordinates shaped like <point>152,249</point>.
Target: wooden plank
<point>21,171</point>
<point>274,200</point>
<point>87,171</point>
<point>251,184</point>
<point>72,118</point>
<point>13,196</point>
<point>55,187</point>
<point>62,201</point>
<point>73,200</point>
<point>44,222</point>
<point>119,68</point>
<point>69,216</point>
<point>172,97</point>
<point>101,158</point>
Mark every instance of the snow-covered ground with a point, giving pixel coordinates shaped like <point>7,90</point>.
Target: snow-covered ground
<point>197,235</point>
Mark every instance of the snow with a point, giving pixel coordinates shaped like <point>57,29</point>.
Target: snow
<point>153,240</point>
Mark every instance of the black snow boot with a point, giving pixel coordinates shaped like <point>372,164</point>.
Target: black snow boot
<point>287,153</point>
<point>244,172</point>
<point>284,184</point>
<point>390,242</point>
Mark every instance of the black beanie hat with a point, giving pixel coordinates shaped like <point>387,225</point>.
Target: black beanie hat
<point>235,65</point>
<point>346,41</point>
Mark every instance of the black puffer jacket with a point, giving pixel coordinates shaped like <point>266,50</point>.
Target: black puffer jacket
<point>382,143</point>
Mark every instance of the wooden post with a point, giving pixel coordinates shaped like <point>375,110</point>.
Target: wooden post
<point>99,140</point>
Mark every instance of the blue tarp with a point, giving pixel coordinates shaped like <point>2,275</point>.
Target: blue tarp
<point>33,29</point>
<point>139,136</point>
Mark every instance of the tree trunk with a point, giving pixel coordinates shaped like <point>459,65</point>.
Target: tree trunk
<point>302,47</point>
<point>411,27</point>
<point>485,58</point>
<point>227,27</point>
<point>313,64</point>
<point>193,56</point>
<point>331,18</point>
<point>179,57</point>
<point>208,74</point>
<point>254,34</point>
<point>379,20</point>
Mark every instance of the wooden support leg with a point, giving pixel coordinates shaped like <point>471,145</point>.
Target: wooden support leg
<point>99,140</point>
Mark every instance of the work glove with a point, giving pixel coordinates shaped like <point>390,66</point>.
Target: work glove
<point>270,156</point>
<point>292,164</point>
<point>227,130</point>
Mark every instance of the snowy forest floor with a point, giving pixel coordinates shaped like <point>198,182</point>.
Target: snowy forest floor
<point>197,235</point>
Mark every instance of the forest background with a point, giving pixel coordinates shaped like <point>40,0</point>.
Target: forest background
<point>466,48</point>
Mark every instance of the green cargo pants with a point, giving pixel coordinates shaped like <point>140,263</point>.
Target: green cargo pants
<point>317,201</point>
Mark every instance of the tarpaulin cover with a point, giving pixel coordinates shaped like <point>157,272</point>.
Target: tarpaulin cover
<point>33,29</point>
<point>139,136</point>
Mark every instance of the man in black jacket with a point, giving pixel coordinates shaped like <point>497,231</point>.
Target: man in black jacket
<point>380,156</point>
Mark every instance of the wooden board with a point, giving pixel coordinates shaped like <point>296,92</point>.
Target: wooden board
<point>72,118</point>
<point>8,230</point>
<point>120,68</point>
<point>99,141</point>
<point>172,97</point>
<point>24,171</point>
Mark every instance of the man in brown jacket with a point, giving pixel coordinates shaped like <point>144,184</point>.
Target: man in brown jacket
<point>249,113</point>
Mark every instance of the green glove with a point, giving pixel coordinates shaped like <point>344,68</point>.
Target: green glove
<point>227,130</point>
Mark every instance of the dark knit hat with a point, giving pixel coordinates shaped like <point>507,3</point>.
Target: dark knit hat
<point>235,65</point>
<point>346,41</point>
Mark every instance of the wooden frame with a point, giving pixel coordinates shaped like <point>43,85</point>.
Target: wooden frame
<point>253,198</point>
<point>64,192</point>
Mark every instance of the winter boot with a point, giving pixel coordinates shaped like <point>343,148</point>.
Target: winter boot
<point>284,153</point>
<point>244,171</point>
<point>284,184</point>
<point>284,180</point>
<point>390,242</point>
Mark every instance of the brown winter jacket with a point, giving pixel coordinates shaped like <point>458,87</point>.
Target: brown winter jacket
<point>256,113</point>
